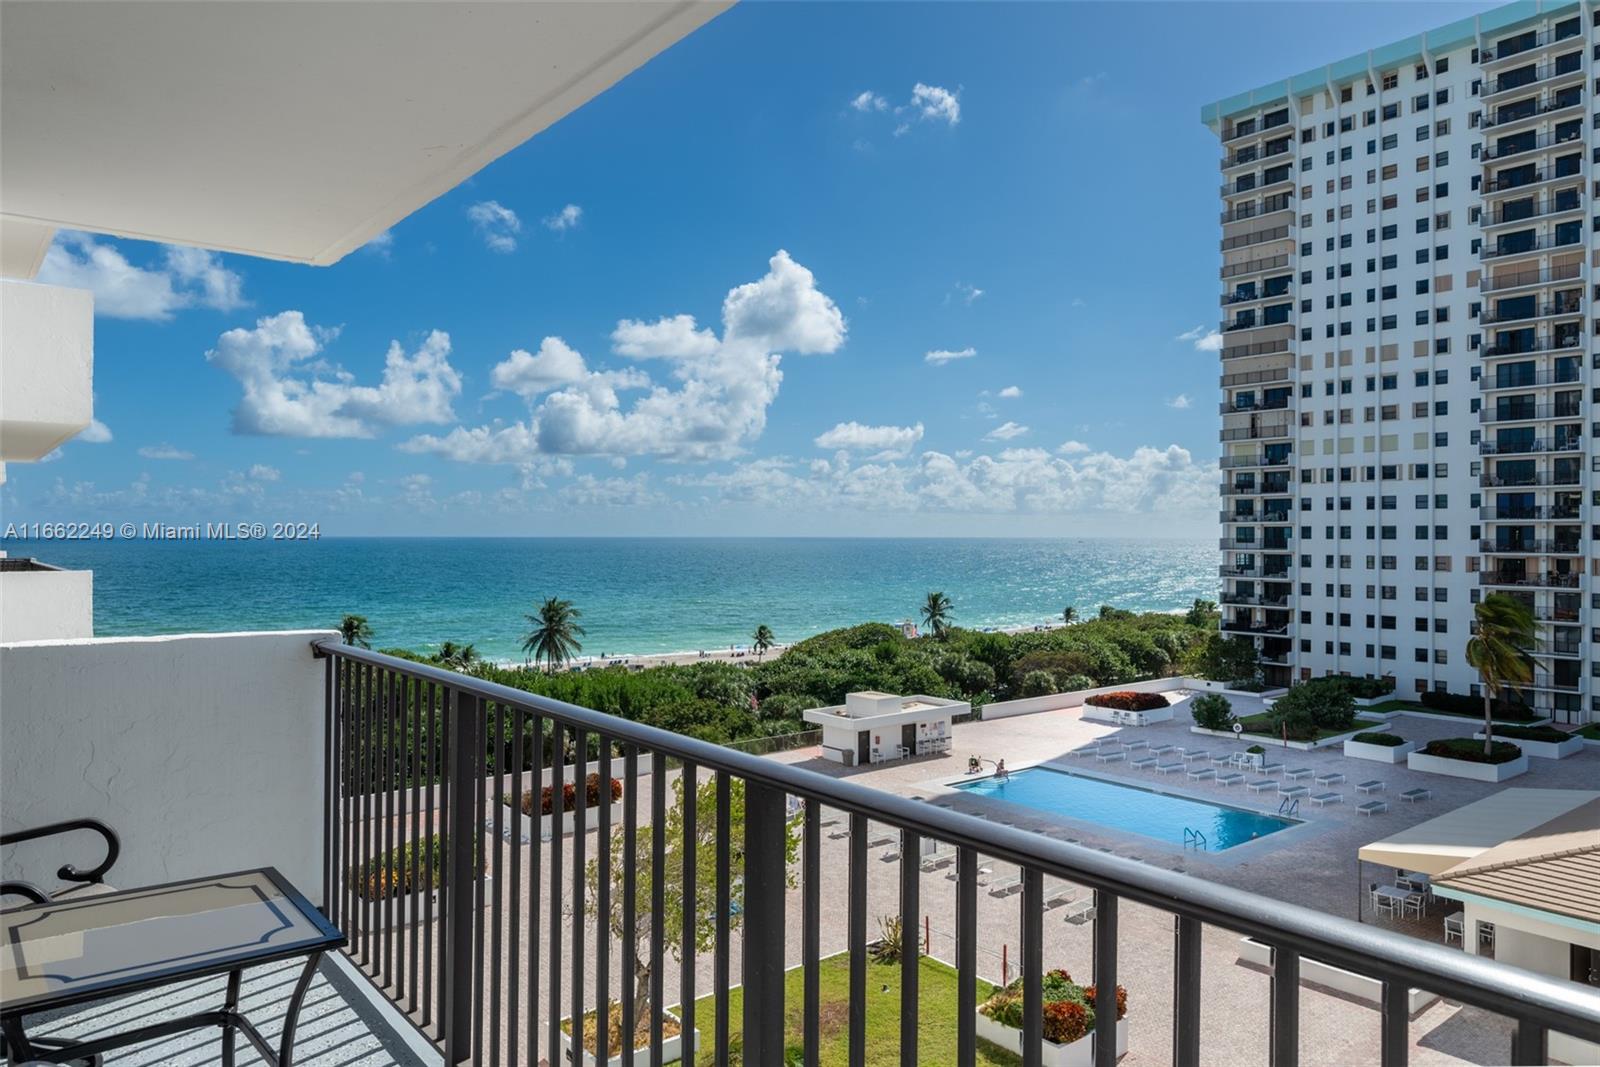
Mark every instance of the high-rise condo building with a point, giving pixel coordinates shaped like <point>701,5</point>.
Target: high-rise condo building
<point>1410,348</point>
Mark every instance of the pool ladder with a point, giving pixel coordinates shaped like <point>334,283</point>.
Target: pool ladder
<point>1193,838</point>
<point>1289,806</point>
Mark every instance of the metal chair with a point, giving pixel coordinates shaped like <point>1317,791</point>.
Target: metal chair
<point>82,881</point>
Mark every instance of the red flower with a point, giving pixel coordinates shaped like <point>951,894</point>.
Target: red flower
<point>1122,1000</point>
<point>1065,1021</point>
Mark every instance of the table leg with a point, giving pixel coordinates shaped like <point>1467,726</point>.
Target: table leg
<point>292,1017</point>
<point>17,1046</point>
<point>230,1008</point>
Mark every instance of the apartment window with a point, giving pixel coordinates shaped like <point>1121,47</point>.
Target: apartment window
<point>1391,80</point>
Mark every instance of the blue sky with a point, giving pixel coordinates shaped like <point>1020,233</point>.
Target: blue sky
<point>945,265</point>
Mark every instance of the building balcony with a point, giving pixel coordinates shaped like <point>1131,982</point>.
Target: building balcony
<point>1270,432</point>
<point>1518,580</point>
<point>1257,185</point>
<point>1255,266</point>
<point>1503,346</point>
<point>1569,99</point>
<point>1275,404</point>
<point>1489,480</point>
<point>1249,320</point>
<point>1531,412</point>
<point>1257,153</point>
<point>1555,309</point>
<point>1525,44</point>
<point>1530,513</point>
<point>1532,446</point>
<point>1261,572</point>
<point>1255,377</point>
<point>1500,281</point>
<point>1272,205</point>
<point>1544,242</point>
<point>1283,232</point>
<point>1254,128</point>
<point>1490,383</point>
<point>1259,348</point>
<point>1255,459</point>
<point>1521,144</point>
<point>1250,295</point>
<point>1532,547</point>
<point>1563,68</point>
<point>1560,202</point>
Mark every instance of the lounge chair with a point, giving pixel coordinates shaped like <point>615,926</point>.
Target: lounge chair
<point>1109,757</point>
<point>1005,887</point>
<point>1262,785</point>
<point>1080,911</point>
<point>1143,762</point>
<point>1271,768</point>
<point>934,860</point>
<point>1160,750</point>
<point>1371,785</point>
<point>1141,743</point>
<point>1190,755</point>
<point>1292,790</point>
<point>1222,759</point>
<point>1065,895</point>
<point>1373,807</point>
<point>1202,772</point>
<point>1330,778</point>
<point>1168,768</point>
<point>1230,778</point>
<point>1323,799</point>
<point>1296,773</point>
<point>1414,795</point>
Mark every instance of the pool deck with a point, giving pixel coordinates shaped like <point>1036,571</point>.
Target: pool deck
<point>1314,865</point>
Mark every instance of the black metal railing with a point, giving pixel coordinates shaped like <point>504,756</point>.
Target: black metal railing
<point>1269,206</point>
<point>1529,446</point>
<point>1553,580</point>
<point>1561,67</point>
<point>1258,348</point>
<point>1517,279</point>
<point>1233,270</point>
<point>1255,377</point>
<point>1531,412</point>
<point>1516,144</point>
<point>1542,242</point>
<point>1544,105</point>
<point>1243,240</point>
<point>1530,379</point>
<point>1567,306</point>
<point>416,755</point>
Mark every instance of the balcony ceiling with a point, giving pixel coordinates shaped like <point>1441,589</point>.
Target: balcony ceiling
<point>294,131</point>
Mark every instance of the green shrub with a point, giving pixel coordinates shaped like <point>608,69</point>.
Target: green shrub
<point>1212,711</point>
<point>1366,688</point>
<point>1128,700</point>
<point>1318,704</point>
<point>1069,1008</point>
<point>1533,733</point>
<point>1037,684</point>
<point>1457,704</point>
<point>1255,750</point>
<point>1470,750</point>
<point>1377,738</point>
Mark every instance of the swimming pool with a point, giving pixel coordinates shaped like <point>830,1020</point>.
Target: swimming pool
<point>1162,816</point>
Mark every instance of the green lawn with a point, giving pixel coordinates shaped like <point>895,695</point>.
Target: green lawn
<point>1406,705</point>
<point>1592,731</point>
<point>937,1043</point>
<point>1261,726</point>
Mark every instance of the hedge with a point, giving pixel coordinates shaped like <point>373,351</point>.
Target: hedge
<point>1378,738</point>
<point>1456,704</point>
<point>1469,750</point>
<point>1533,733</point>
<point>1127,700</point>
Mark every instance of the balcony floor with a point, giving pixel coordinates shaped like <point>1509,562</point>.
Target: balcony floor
<point>342,1023</point>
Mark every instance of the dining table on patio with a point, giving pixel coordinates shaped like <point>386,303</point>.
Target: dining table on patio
<point>74,950</point>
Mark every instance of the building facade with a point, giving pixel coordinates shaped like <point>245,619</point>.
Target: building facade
<point>1410,350</point>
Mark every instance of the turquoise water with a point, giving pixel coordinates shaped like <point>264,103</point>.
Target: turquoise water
<point>637,595</point>
<point>1162,816</point>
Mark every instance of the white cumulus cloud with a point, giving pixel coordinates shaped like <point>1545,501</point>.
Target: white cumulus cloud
<point>884,442</point>
<point>940,356</point>
<point>289,392</point>
<point>869,101</point>
<point>936,104</point>
<point>97,433</point>
<point>182,278</point>
<point>565,219</point>
<point>497,224</point>
<point>1181,402</point>
<point>1010,392</point>
<point>164,451</point>
<point>1005,432</point>
<point>1204,337</point>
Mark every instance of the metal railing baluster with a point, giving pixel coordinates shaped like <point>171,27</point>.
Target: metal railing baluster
<point>1394,1043</point>
<point>630,892</point>
<point>535,882</point>
<point>856,939</point>
<point>658,901</point>
<point>496,727</point>
<point>466,758</point>
<point>1105,978</point>
<point>1284,1024</point>
<point>602,926</point>
<point>580,816</point>
<point>721,965</point>
<point>966,956</point>
<point>1529,1044</point>
<point>910,944</point>
<point>558,804</point>
<point>811,932</point>
<point>514,972</point>
<point>1186,993</point>
<point>689,901</point>
<point>765,883</point>
<point>1032,967</point>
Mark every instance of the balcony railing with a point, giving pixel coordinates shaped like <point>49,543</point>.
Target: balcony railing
<point>1537,478</point>
<point>1515,346</point>
<point>1270,150</point>
<point>394,728</point>
<point>1256,459</point>
<point>1242,240</point>
<point>1252,128</point>
<point>1511,147</point>
<point>1529,581</point>
<point>1543,105</point>
<point>1543,242</point>
<point>1530,513</point>
<point>1259,348</point>
<point>1270,206</point>
<point>1525,42</point>
<point>1561,68</point>
<point>1564,546</point>
<point>1572,306</point>
<point>1531,446</point>
<point>1517,279</point>
<point>1255,377</point>
<point>1531,412</point>
<point>1255,183</point>
<point>1256,433</point>
<point>1546,376</point>
<point>1275,404</point>
<point>1233,270</point>
<point>1564,200</point>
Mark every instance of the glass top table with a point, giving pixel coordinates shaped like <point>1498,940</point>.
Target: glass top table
<point>65,952</point>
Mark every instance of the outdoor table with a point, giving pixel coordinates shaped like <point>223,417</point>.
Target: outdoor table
<point>1400,896</point>
<point>68,952</point>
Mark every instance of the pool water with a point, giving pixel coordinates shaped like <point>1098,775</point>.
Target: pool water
<point>1162,816</point>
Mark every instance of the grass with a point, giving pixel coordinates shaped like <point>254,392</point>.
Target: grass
<point>937,1017</point>
<point>1261,726</point>
<point>1408,705</point>
<point>1592,731</point>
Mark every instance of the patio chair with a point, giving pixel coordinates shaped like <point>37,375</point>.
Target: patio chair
<point>1292,790</point>
<point>1383,905</point>
<point>1414,795</point>
<point>1373,807</point>
<point>1371,785</point>
<point>1140,743</point>
<point>1005,887</point>
<point>1160,750</point>
<point>1222,759</point>
<point>1330,778</point>
<point>1143,762</point>
<point>1109,757</point>
<point>1454,926</point>
<point>83,882</point>
<point>1486,935</point>
<point>1231,778</point>
<point>1323,799</point>
<point>1271,768</point>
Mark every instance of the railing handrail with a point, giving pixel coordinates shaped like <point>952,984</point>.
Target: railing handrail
<point>1524,995</point>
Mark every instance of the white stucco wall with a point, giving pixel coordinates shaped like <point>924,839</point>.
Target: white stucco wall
<point>46,605</point>
<point>203,751</point>
<point>47,366</point>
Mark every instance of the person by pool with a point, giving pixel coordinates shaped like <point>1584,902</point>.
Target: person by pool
<point>1000,771</point>
<point>974,765</point>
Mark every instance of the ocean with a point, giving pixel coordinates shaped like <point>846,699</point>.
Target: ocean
<point>637,595</point>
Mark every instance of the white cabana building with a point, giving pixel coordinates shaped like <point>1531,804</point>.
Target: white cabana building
<point>872,727</point>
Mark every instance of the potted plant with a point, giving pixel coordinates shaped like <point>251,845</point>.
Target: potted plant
<point>699,914</point>
<point>413,875</point>
<point>1258,756</point>
<point>1069,1020</point>
<point>568,807</point>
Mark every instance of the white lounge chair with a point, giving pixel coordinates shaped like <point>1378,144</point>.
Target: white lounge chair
<point>1373,807</point>
<point>1200,773</point>
<point>1296,773</point>
<point>1231,778</point>
<point>1143,762</point>
<point>1080,911</point>
<point>1261,786</point>
<point>1109,757</point>
<point>1330,778</point>
<point>1160,750</point>
<point>1414,795</point>
<point>1323,799</point>
<point>1190,755</point>
<point>1292,790</point>
<point>1140,743</point>
<point>1004,887</point>
<point>1371,785</point>
<point>1168,768</point>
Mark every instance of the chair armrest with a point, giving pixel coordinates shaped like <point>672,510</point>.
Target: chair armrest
<point>68,872</point>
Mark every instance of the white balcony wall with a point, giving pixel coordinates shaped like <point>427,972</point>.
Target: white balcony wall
<point>203,751</point>
<point>46,605</point>
<point>46,367</point>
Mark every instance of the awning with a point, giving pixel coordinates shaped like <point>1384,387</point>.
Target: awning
<point>1435,846</point>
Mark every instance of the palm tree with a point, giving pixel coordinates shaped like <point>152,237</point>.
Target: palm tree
<point>457,657</point>
<point>1069,615</point>
<point>762,640</point>
<point>936,612</point>
<point>355,631</point>
<point>1506,631</point>
<point>554,635</point>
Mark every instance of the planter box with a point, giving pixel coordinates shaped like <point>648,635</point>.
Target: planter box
<point>1379,753</point>
<point>1331,977</point>
<point>1460,768</point>
<point>1266,741</point>
<point>671,1050</point>
<point>1544,749</point>
<point>411,908</point>
<point>1079,1053</point>
<point>591,821</point>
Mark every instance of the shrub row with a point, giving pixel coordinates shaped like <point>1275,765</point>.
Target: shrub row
<point>1127,700</point>
<point>1376,738</point>
<point>1456,704</point>
<point>1469,750</point>
<point>1532,733</point>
